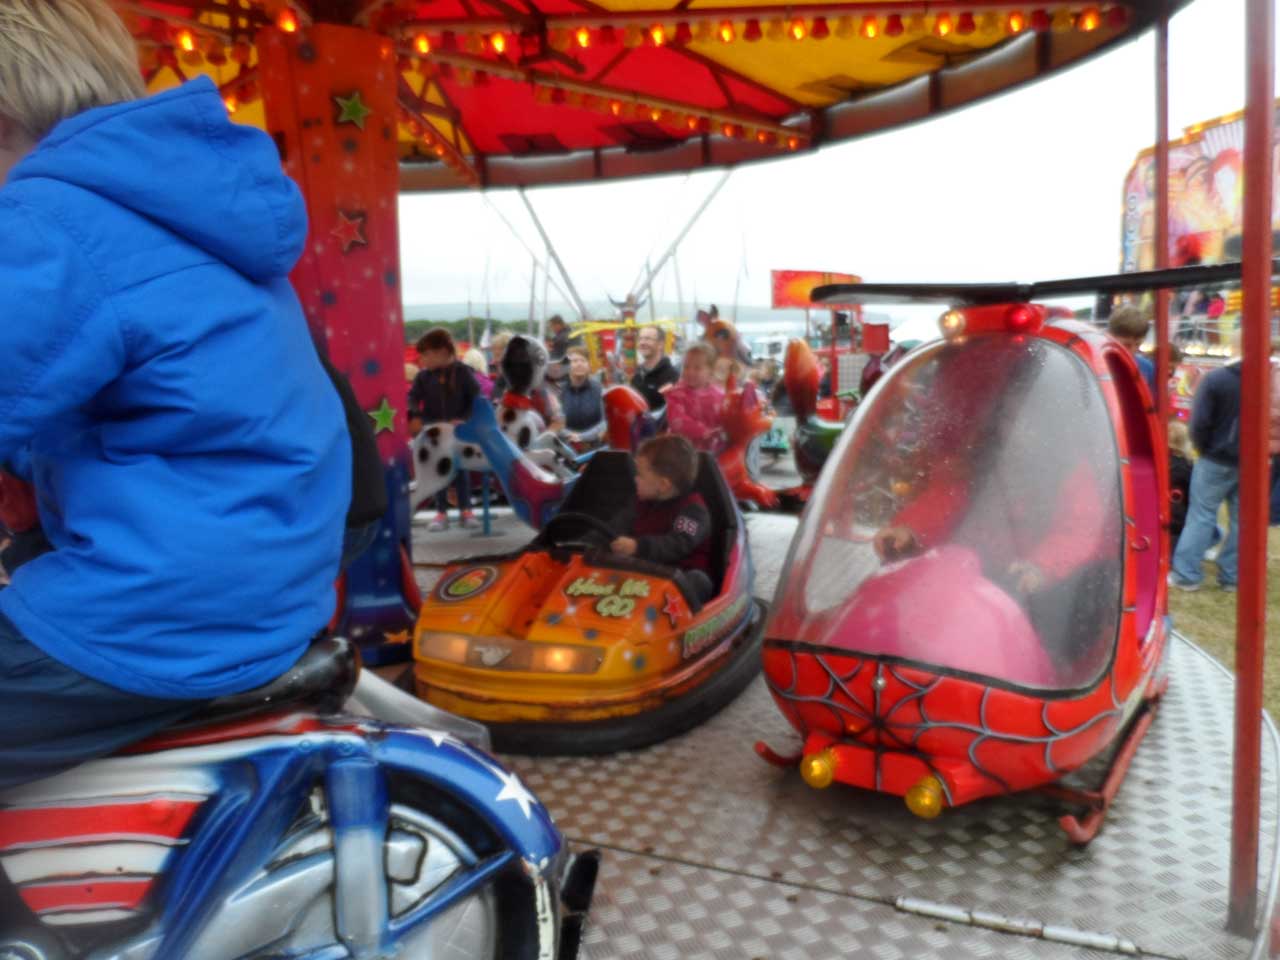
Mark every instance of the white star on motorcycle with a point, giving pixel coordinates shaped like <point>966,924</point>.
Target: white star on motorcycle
<point>513,789</point>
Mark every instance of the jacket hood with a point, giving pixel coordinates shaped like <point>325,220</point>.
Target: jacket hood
<point>178,159</point>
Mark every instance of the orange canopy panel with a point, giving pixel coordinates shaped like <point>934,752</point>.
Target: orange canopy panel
<point>522,92</point>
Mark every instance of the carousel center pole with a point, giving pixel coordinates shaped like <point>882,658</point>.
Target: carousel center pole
<point>330,98</point>
<point>1251,600</point>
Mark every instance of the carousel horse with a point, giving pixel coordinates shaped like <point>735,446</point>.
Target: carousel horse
<point>743,418</point>
<point>723,336</point>
<point>814,435</point>
<point>522,413</point>
<point>440,450</point>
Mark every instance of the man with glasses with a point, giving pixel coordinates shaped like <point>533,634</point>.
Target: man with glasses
<point>655,370</point>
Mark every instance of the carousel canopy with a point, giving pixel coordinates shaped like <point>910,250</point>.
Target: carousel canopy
<point>500,93</point>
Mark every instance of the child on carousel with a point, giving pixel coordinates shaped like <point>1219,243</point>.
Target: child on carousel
<point>443,392</point>
<point>672,524</point>
<point>191,469</point>
<point>693,404</point>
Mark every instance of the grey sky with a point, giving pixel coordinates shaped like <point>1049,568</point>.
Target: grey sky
<point>1024,187</point>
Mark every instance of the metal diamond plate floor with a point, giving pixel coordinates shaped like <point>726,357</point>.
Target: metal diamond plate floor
<point>711,853</point>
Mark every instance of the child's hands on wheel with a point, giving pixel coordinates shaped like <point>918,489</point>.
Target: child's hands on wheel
<point>624,546</point>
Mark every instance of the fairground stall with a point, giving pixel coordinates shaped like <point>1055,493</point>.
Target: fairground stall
<point>708,851</point>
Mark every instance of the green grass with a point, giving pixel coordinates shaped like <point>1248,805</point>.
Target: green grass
<point>1208,617</point>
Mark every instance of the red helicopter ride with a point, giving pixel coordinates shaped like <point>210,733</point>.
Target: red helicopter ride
<point>975,598</point>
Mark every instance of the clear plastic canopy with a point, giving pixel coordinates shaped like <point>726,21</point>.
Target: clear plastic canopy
<point>970,520</point>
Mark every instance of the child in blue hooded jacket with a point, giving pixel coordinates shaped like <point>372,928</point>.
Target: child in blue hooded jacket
<point>159,389</point>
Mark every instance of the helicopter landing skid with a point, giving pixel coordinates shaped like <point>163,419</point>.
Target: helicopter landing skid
<point>767,753</point>
<point>1082,829</point>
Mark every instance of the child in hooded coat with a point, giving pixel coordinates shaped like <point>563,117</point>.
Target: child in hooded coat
<point>161,393</point>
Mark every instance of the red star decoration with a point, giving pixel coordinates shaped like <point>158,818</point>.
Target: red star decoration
<point>350,230</point>
<point>671,609</point>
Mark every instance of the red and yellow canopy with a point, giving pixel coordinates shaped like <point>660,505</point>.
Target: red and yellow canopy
<point>523,92</point>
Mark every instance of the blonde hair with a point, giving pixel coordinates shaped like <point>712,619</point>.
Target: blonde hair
<point>474,359</point>
<point>1180,439</point>
<point>62,57</point>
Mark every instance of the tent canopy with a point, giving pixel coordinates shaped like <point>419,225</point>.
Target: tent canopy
<point>525,92</point>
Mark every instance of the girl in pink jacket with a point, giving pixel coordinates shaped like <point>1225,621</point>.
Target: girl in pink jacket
<point>693,404</point>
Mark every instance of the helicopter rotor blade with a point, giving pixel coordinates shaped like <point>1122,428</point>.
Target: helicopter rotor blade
<point>977,294</point>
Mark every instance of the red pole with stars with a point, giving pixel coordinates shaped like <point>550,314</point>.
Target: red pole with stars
<point>330,96</point>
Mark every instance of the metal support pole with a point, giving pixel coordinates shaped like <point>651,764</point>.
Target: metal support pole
<point>533,293</point>
<point>1163,297</point>
<point>697,214</point>
<point>1251,600</point>
<point>555,258</point>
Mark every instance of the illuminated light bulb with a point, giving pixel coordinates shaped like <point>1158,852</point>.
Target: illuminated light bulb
<point>952,324</point>
<point>1090,19</point>
<point>798,30</point>
<point>870,27</point>
<point>752,33</point>
<point>287,21</point>
<point>438,150</point>
<point>658,34</point>
<point>726,31</point>
<point>727,129</point>
<point>615,107</point>
<point>965,25</point>
<point>943,25</point>
<point>925,799</point>
<point>655,114</point>
<point>793,143</point>
<point>819,770</point>
<point>582,36</point>
<point>186,41</point>
<point>820,30</point>
<point>1016,22</point>
<point>844,27</point>
<point>230,102</point>
<point>422,43</point>
<point>498,42</point>
<point>691,122</point>
<point>893,25</point>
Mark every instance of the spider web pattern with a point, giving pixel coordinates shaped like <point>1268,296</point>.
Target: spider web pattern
<point>1014,740</point>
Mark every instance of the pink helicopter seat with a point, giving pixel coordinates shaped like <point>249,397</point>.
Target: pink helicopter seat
<point>939,609</point>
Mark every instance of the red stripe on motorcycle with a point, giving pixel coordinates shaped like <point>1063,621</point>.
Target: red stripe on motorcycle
<point>159,818</point>
<point>270,725</point>
<point>95,894</point>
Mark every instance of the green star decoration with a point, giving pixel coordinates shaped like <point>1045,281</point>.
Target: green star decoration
<point>352,109</point>
<point>384,417</point>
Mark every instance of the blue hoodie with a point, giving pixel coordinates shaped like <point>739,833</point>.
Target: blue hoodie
<point>160,388</point>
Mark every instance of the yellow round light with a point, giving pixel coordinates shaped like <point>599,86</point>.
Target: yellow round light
<point>819,769</point>
<point>925,799</point>
<point>498,42</point>
<point>952,324</point>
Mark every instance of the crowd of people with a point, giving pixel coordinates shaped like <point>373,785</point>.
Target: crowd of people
<point>687,394</point>
<point>1204,459</point>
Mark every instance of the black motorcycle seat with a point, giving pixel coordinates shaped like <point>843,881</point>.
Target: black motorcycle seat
<point>321,680</point>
